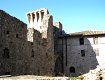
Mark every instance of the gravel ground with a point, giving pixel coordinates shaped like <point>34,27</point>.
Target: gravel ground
<point>31,77</point>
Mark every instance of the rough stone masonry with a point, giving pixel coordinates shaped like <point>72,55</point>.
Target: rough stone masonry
<point>42,48</point>
<point>27,49</point>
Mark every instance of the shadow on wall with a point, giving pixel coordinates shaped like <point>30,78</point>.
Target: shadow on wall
<point>17,55</point>
<point>22,50</point>
<point>58,69</point>
<point>83,61</point>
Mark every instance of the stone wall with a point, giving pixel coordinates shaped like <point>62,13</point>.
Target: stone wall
<point>43,48</point>
<point>12,44</point>
<point>43,24</point>
<point>25,51</point>
<point>81,58</point>
<point>58,54</point>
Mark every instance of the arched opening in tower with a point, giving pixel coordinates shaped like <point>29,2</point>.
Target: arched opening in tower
<point>37,14</point>
<point>42,14</point>
<point>29,17</point>
<point>33,17</point>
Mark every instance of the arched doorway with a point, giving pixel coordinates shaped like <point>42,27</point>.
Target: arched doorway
<point>72,69</point>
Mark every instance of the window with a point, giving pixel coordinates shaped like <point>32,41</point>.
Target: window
<point>32,53</point>
<point>81,41</point>
<point>82,53</point>
<point>72,70</point>
<point>17,36</point>
<point>95,40</point>
<point>7,32</point>
<point>46,54</point>
<point>32,43</point>
<point>7,73</point>
<point>11,42</point>
<point>6,53</point>
<point>96,52</point>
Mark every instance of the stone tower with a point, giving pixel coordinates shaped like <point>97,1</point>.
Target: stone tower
<point>39,20</point>
<point>41,23</point>
<point>27,50</point>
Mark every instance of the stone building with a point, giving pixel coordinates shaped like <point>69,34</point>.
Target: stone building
<point>27,49</point>
<point>43,48</point>
<point>82,52</point>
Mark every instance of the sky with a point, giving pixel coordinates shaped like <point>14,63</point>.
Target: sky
<point>75,15</point>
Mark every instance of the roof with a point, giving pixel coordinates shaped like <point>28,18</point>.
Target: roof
<point>83,33</point>
<point>88,32</point>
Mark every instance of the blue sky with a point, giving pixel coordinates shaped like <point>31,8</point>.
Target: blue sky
<point>75,15</point>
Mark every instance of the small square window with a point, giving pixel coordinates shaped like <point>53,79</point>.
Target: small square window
<point>32,43</point>
<point>82,53</point>
<point>17,36</point>
<point>7,32</point>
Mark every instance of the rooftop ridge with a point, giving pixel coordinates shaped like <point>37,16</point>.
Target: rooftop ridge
<point>89,32</point>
